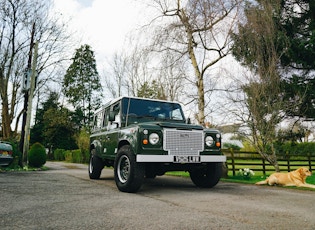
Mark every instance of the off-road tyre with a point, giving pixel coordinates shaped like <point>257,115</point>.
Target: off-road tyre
<point>208,176</point>
<point>129,175</point>
<point>96,166</point>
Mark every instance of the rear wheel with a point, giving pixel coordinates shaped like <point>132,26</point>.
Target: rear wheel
<point>95,166</point>
<point>129,175</point>
<point>208,176</point>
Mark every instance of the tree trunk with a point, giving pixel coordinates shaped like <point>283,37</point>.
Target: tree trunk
<point>198,75</point>
<point>6,128</point>
<point>272,159</point>
<point>201,102</point>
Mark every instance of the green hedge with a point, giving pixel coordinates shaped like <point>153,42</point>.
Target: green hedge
<point>297,149</point>
<point>231,146</point>
<point>59,154</point>
<point>76,156</point>
<point>73,156</point>
<point>68,156</point>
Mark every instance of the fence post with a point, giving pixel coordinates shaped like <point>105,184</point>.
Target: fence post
<point>309,161</point>
<point>233,161</point>
<point>264,166</point>
<point>288,161</point>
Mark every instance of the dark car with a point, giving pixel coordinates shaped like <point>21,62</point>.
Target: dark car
<point>6,152</point>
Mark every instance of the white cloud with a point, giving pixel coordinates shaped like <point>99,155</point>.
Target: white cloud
<point>102,24</point>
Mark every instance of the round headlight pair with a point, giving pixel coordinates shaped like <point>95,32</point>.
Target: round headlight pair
<point>154,138</point>
<point>209,141</point>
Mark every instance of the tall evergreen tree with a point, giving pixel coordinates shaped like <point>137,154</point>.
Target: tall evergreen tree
<point>38,128</point>
<point>82,84</point>
<point>297,25</point>
<point>59,130</point>
<point>294,43</point>
<point>54,125</point>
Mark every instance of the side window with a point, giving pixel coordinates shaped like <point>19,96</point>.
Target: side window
<point>99,120</point>
<point>94,122</point>
<point>105,120</point>
<point>117,122</point>
<point>116,108</point>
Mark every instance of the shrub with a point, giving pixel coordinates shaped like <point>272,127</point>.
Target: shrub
<point>59,154</point>
<point>292,148</point>
<point>83,142</point>
<point>85,156</point>
<point>246,173</point>
<point>231,146</point>
<point>76,156</point>
<point>68,156</point>
<point>37,155</point>
<point>248,147</point>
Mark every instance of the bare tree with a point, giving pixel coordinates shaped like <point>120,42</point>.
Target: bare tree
<point>199,30</point>
<point>146,70</point>
<point>138,71</point>
<point>16,22</point>
<point>115,77</point>
<point>170,77</point>
<point>127,72</point>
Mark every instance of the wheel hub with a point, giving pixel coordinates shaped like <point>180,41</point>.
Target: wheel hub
<point>123,169</point>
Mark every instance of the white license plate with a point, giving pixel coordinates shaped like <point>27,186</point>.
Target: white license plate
<point>186,159</point>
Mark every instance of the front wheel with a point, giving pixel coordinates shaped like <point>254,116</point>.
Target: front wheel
<point>129,175</point>
<point>208,176</point>
<point>95,166</point>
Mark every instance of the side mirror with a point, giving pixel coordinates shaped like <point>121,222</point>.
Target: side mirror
<point>188,121</point>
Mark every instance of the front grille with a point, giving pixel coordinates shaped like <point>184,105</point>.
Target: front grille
<point>183,142</point>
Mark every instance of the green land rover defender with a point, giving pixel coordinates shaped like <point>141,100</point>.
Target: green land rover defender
<point>144,138</point>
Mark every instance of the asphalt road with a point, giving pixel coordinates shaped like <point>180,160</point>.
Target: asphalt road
<point>65,198</point>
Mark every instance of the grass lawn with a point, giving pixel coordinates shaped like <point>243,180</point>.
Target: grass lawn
<point>239,179</point>
<point>258,177</point>
<point>257,164</point>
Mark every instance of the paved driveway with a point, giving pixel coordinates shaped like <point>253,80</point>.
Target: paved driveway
<point>65,198</point>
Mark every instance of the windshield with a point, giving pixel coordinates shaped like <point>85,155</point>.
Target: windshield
<point>153,110</point>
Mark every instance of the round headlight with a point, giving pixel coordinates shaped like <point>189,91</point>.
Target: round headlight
<point>209,141</point>
<point>154,138</point>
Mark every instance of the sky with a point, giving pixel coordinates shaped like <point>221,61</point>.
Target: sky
<point>102,24</point>
<point>106,24</point>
